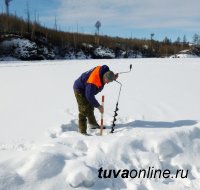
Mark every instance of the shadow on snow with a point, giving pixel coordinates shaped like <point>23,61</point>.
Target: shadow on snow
<point>73,126</point>
<point>157,124</point>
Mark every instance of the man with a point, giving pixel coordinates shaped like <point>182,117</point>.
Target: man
<point>86,87</point>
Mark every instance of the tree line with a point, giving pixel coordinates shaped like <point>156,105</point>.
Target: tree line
<point>12,24</point>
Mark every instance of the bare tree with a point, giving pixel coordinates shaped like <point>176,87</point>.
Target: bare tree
<point>55,24</point>
<point>152,35</point>
<point>196,39</point>
<point>98,25</point>
<point>7,3</point>
<point>178,40</point>
<point>28,16</point>
<point>96,38</point>
<point>2,9</point>
<point>184,40</point>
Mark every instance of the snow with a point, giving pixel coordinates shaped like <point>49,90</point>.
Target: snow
<point>23,46</point>
<point>87,45</point>
<point>76,55</point>
<point>157,126</point>
<point>104,52</point>
<point>8,58</point>
<point>24,49</point>
<point>184,55</point>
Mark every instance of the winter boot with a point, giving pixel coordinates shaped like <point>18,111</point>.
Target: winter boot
<point>95,125</point>
<point>82,124</point>
<point>92,121</point>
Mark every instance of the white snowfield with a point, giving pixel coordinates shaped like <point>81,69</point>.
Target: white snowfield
<point>155,145</point>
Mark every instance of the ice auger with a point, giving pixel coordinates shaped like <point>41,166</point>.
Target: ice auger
<point>116,108</point>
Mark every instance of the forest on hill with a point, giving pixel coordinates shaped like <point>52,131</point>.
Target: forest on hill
<point>18,35</point>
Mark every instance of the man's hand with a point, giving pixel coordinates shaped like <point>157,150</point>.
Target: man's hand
<point>101,109</point>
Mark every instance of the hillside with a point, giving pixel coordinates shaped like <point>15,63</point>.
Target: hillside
<point>157,127</point>
<point>23,40</point>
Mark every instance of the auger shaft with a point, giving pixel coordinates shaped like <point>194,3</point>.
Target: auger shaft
<point>116,108</point>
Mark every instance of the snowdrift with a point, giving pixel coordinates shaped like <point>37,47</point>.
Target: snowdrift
<point>157,128</point>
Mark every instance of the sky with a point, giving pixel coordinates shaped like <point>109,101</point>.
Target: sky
<point>127,18</point>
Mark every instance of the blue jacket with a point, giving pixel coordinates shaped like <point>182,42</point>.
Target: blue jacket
<point>90,90</point>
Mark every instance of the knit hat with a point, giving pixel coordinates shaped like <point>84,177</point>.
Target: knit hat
<point>109,75</point>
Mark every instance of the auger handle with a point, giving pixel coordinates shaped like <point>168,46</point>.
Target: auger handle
<point>126,71</point>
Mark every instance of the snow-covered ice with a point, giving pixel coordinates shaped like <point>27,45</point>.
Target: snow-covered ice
<point>157,126</point>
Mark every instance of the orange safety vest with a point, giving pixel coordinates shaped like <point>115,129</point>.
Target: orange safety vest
<point>94,77</point>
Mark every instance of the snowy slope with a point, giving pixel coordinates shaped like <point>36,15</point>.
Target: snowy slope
<point>158,126</point>
<point>184,55</point>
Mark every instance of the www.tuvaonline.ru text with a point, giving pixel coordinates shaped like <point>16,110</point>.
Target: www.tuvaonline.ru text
<point>151,172</point>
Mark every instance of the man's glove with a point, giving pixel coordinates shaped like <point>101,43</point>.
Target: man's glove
<point>101,109</point>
